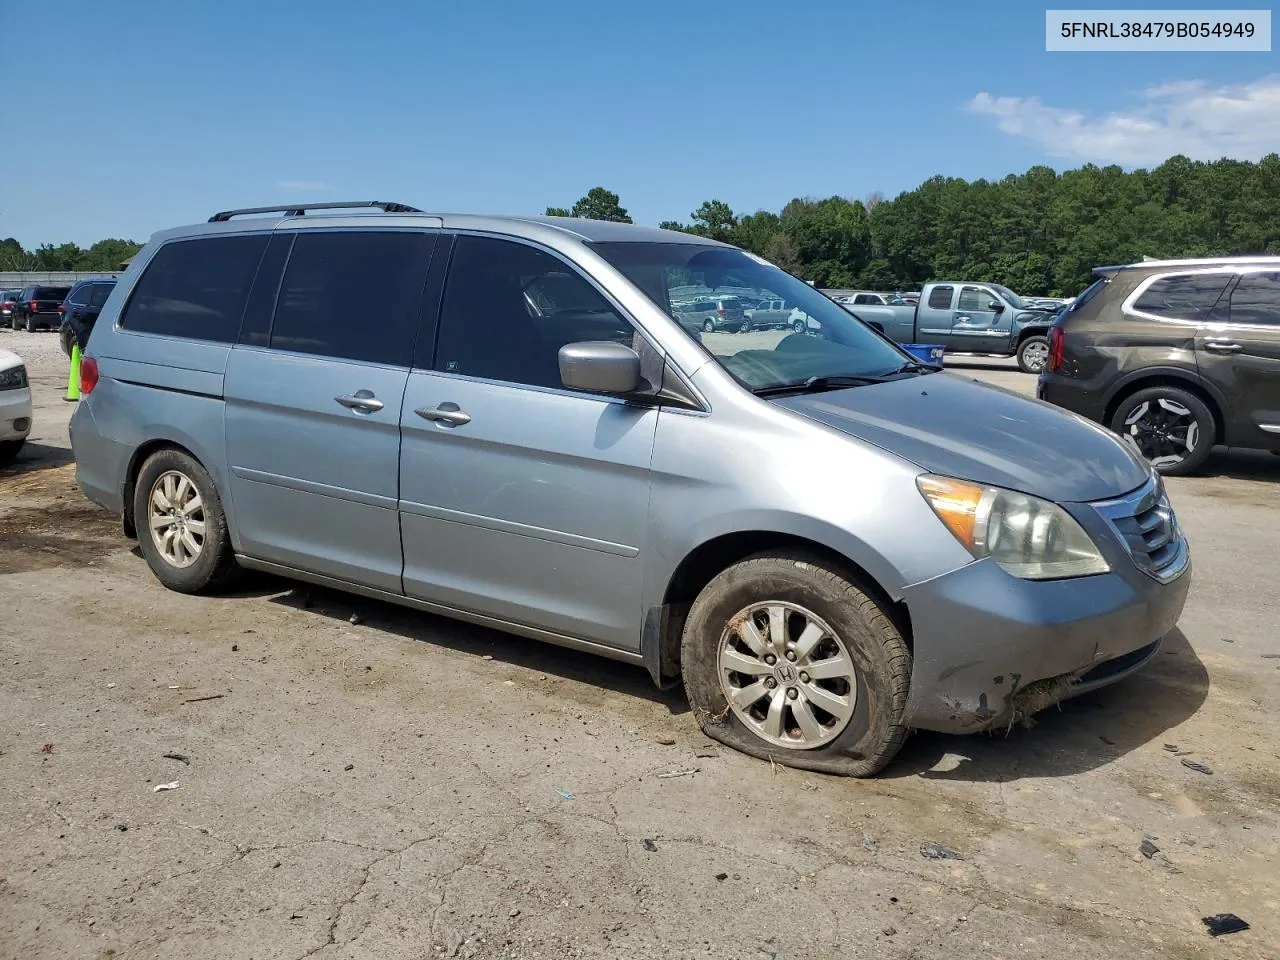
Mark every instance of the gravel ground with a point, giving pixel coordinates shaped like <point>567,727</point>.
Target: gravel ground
<point>42,350</point>
<point>400,785</point>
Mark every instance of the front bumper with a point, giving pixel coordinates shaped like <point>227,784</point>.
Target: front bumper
<point>15,413</point>
<point>991,649</point>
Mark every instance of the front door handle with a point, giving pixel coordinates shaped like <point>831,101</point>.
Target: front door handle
<point>964,319</point>
<point>1223,346</point>
<point>362,401</point>
<point>447,413</point>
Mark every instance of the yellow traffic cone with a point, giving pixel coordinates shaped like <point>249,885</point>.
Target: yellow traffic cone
<point>73,378</point>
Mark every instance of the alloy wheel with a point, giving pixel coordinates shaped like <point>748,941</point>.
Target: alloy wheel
<point>176,518</point>
<point>787,675</point>
<point>1163,431</point>
<point>1036,356</point>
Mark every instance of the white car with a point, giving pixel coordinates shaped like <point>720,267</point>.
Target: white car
<point>15,405</point>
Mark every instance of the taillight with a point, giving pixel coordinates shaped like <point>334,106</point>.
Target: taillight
<point>88,375</point>
<point>719,311</point>
<point>35,306</point>
<point>1057,336</point>
<point>62,308</point>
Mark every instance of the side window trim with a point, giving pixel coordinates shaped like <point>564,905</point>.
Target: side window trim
<point>578,271</point>
<point>1127,307</point>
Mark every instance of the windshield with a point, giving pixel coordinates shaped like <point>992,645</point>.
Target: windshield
<point>1015,301</point>
<point>811,337</point>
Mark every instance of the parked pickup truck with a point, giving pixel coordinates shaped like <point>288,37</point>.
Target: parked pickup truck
<point>968,318</point>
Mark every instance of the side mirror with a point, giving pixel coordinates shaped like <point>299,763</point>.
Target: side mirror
<point>599,366</point>
<point>996,305</point>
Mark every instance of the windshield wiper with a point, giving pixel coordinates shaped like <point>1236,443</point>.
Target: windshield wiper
<point>818,384</point>
<point>915,366</point>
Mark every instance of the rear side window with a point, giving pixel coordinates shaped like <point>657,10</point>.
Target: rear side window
<point>100,293</point>
<point>1187,296</point>
<point>353,295</point>
<point>940,298</point>
<point>80,294</point>
<point>1256,299</point>
<point>195,288</point>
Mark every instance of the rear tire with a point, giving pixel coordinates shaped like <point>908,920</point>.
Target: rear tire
<point>1171,428</point>
<point>9,450</point>
<point>1033,355</point>
<point>182,530</point>
<point>708,326</point>
<point>31,323</point>
<point>865,665</point>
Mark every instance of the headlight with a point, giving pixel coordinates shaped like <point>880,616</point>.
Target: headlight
<point>1029,537</point>
<point>15,378</point>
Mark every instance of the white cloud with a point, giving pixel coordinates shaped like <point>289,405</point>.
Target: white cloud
<point>1190,117</point>
<point>308,186</point>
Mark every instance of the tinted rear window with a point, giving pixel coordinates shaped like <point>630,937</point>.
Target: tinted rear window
<point>51,293</point>
<point>196,288</point>
<point>1187,296</point>
<point>940,298</point>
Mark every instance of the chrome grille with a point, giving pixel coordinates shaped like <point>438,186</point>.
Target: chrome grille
<point>1149,529</point>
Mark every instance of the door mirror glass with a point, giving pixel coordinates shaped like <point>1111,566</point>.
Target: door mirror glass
<point>995,305</point>
<point>600,366</point>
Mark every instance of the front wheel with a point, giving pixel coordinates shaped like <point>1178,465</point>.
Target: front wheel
<point>9,450</point>
<point>799,326</point>
<point>744,326</point>
<point>182,530</point>
<point>708,326</point>
<point>1033,354</point>
<point>15,322</point>
<point>786,659</point>
<point>1171,428</point>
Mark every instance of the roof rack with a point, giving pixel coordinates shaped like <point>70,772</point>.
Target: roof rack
<point>300,209</point>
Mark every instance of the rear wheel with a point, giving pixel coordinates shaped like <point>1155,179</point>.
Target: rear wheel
<point>744,326</point>
<point>708,326</point>
<point>1033,354</point>
<point>182,530</point>
<point>784,658</point>
<point>31,323</point>
<point>1171,428</point>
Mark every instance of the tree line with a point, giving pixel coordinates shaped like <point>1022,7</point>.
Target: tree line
<point>105,256</point>
<point>1040,233</point>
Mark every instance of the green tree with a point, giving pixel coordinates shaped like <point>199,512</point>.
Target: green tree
<point>600,204</point>
<point>559,212</point>
<point>714,219</point>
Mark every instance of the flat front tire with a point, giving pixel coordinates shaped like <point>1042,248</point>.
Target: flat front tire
<point>182,530</point>
<point>786,658</point>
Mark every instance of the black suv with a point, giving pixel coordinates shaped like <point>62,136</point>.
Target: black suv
<point>80,310</point>
<point>1175,356</point>
<point>38,307</point>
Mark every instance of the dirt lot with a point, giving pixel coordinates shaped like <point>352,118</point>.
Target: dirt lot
<point>406,786</point>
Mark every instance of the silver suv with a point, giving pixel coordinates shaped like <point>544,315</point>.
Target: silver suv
<point>828,543</point>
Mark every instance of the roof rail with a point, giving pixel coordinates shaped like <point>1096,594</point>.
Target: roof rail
<point>300,209</point>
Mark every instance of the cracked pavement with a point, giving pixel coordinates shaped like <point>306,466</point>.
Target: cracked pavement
<point>393,789</point>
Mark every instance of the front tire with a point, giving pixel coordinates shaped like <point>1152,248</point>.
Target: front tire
<point>708,326</point>
<point>1172,428</point>
<point>799,326</point>
<point>786,659</point>
<point>182,530</point>
<point>1033,355</point>
<point>9,450</point>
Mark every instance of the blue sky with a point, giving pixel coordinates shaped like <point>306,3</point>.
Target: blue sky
<point>159,113</point>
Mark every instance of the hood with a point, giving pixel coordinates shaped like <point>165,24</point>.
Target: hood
<point>957,427</point>
<point>9,359</point>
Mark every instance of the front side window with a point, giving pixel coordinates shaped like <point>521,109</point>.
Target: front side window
<point>940,298</point>
<point>195,288</point>
<point>100,293</point>
<point>1256,300</point>
<point>1185,296</point>
<point>353,295</point>
<point>820,338</point>
<point>975,299</point>
<point>508,309</point>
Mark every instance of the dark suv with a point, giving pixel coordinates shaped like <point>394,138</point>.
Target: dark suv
<point>80,310</point>
<point>1175,356</point>
<point>38,307</point>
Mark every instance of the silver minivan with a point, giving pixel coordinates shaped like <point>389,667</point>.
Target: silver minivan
<point>502,420</point>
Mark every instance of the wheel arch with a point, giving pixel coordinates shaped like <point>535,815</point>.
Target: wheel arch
<point>1026,333</point>
<point>664,625</point>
